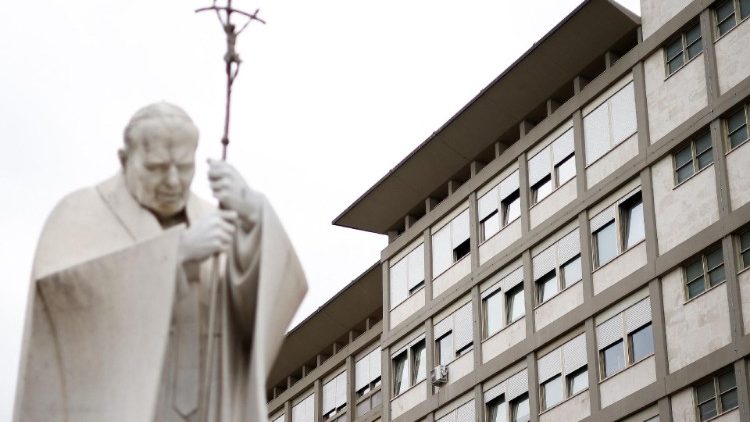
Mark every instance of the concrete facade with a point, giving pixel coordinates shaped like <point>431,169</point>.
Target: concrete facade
<point>628,121</point>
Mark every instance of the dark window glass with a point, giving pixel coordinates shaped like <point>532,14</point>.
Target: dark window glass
<point>490,225</point>
<point>418,362</point>
<point>641,343</point>
<point>704,272</point>
<point>725,17</point>
<point>613,359</point>
<point>737,128</point>
<point>693,157</point>
<point>461,250</point>
<point>511,208</point>
<point>578,381</point>
<point>606,244</point>
<point>565,170</point>
<point>693,41</point>
<point>400,378</point>
<point>674,54</point>
<point>744,8</point>
<point>745,249</point>
<point>717,395</point>
<point>715,267</point>
<point>634,227</point>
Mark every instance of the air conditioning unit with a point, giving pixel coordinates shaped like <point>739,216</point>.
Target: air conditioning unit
<point>439,375</point>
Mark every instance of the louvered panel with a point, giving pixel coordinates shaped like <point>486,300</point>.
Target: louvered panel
<point>488,203</point>
<point>329,396</point>
<point>596,133</point>
<point>495,392</point>
<point>511,280</point>
<point>543,262</point>
<point>415,267</point>
<point>622,109</point>
<point>562,147</point>
<point>609,332</point>
<point>374,364</point>
<point>569,246</point>
<point>549,365</point>
<point>509,185</point>
<point>397,281</point>
<point>602,218</point>
<point>443,327</point>
<point>517,385</point>
<point>574,354</point>
<point>450,417</point>
<point>460,228</point>
<point>495,287</point>
<point>362,373</point>
<point>539,166</point>
<point>463,327</point>
<point>638,315</point>
<point>466,413</point>
<point>341,389</point>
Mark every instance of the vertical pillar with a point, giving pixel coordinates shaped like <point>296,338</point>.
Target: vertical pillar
<point>592,357</point>
<point>386,297</point>
<point>533,388</point>
<point>523,174</point>
<point>709,56</point>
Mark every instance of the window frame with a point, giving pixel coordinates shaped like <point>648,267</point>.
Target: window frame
<point>694,162</point>
<point>725,127</point>
<point>449,226</point>
<point>622,226</point>
<point>503,205</point>
<point>543,405</point>
<point>718,405</point>
<point>573,375</point>
<point>340,410</point>
<point>684,47</point>
<point>737,15</point>
<point>510,297</point>
<point>740,251</point>
<point>498,401</point>
<point>705,274</point>
<point>627,345</point>
<point>624,210</point>
<point>514,404</point>
<point>409,369</point>
<point>551,174</point>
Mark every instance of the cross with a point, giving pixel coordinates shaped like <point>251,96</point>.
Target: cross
<point>231,57</point>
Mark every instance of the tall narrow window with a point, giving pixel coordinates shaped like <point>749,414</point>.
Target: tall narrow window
<point>406,276</point>
<point>693,157</point>
<point>499,207</point>
<point>419,364</point>
<point>493,311</point>
<point>605,243</point>
<point>641,343</point>
<point>334,397</point>
<point>515,305</point>
<point>571,271</point>
<point>744,241</point>
<point>578,381</point>
<point>541,189</point>
<point>613,359</point>
<point>445,348</point>
<point>400,378</point>
<point>683,48</point>
<point>552,392</point>
<point>736,128</point>
<point>367,373</point>
<point>546,287</point>
<point>632,212</point>
<point>511,206</point>
<point>704,272</point>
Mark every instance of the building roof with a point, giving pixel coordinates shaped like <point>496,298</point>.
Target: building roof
<point>359,300</point>
<point>577,41</point>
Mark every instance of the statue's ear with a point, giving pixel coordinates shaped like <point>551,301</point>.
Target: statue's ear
<point>123,156</point>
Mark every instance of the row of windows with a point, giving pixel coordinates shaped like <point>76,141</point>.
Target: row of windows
<point>729,13</point>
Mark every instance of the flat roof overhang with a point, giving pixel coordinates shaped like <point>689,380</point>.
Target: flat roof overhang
<point>355,302</point>
<point>577,41</point>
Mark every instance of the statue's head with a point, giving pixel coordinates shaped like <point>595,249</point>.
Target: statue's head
<point>158,158</point>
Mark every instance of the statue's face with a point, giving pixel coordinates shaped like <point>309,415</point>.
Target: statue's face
<point>160,165</point>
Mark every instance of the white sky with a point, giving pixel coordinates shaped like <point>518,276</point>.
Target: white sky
<point>332,95</point>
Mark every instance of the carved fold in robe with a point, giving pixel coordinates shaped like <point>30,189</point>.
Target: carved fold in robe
<point>116,329</point>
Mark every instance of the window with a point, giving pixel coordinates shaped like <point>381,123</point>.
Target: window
<point>632,216</point>
<point>499,207</point>
<point>704,272</point>
<point>744,241</point>
<point>726,17</point>
<point>557,267</point>
<point>610,123</point>
<point>334,397</point>
<point>735,126</point>
<point>409,366</point>
<point>578,381</point>
<point>304,411</point>
<point>450,243</point>
<point>717,395</point>
<point>683,48</point>
<point>407,276</point>
<point>503,303</point>
<point>625,339</point>
<point>367,373</point>
<point>454,335</point>
<point>552,392</point>
<point>641,343</point>
<point>613,359</point>
<point>551,167</point>
<point>562,372</point>
<point>605,244</point>
<point>497,410</point>
<point>515,306</point>
<point>693,157</point>
<point>618,228</point>
<point>519,408</point>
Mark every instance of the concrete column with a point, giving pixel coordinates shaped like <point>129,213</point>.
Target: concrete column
<point>592,357</point>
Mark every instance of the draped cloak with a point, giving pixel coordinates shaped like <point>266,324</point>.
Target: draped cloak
<point>116,329</point>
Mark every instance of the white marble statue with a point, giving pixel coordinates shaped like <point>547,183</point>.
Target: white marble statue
<point>118,314</point>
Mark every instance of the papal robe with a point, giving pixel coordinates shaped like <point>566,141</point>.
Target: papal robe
<point>116,329</point>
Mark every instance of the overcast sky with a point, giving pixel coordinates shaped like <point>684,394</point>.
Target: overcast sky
<point>332,94</point>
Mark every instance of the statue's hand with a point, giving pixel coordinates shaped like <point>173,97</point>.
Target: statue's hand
<point>209,235</point>
<point>233,193</point>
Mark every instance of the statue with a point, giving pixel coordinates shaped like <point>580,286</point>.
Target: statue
<point>119,324</point>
